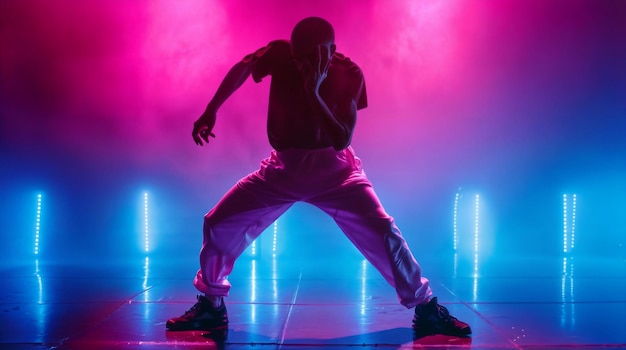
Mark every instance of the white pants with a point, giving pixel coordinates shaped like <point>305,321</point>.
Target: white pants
<point>328,179</point>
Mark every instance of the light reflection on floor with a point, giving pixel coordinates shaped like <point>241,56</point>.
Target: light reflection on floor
<point>513,303</point>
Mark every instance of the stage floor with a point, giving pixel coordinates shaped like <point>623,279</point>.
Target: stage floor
<point>275,303</point>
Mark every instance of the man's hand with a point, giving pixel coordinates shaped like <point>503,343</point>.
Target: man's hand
<point>314,68</point>
<point>203,128</point>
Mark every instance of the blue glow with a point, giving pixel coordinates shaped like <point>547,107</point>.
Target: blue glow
<point>38,224</point>
<point>565,223</point>
<point>454,220</point>
<point>569,223</point>
<point>253,248</point>
<point>253,286</point>
<point>476,233</point>
<point>146,232</point>
<point>144,285</point>
<point>258,246</point>
<point>363,286</point>
<point>455,266</point>
<point>275,282</point>
<point>42,318</point>
<point>274,238</point>
<point>568,311</point>
<point>573,226</point>
<point>475,288</point>
<point>39,283</point>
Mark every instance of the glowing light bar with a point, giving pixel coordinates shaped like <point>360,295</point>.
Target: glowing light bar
<point>37,224</point>
<point>253,248</point>
<point>569,223</point>
<point>274,239</point>
<point>573,226</point>
<point>146,232</point>
<point>476,232</point>
<point>454,221</point>
<point>564,223</point>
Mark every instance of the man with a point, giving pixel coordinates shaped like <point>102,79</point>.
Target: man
<point>315,93</point>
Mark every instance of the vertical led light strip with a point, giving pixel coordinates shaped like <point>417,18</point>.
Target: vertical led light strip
<point>37,224</point>
<point>573,225</point>
<point>569,223</point>
<point>253,248</point>
<point>146,232</point>
<point>476,232</point>
<point>454,221</point>
<point>274,238</point>
<point>564,223</point>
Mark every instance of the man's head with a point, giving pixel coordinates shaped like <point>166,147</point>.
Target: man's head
<point>313,42</point>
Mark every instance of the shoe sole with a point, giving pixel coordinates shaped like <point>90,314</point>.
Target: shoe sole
<point>196,326</point>
<point>427,330</point>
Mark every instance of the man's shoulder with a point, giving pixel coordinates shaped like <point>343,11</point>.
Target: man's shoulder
<point>280,47</point>
<point>280,43</point>
<point>343,64</point>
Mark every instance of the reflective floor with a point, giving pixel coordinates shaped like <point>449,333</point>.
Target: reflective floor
<point>329,302</point>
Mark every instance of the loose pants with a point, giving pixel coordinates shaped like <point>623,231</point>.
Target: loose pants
<point>331,180</point>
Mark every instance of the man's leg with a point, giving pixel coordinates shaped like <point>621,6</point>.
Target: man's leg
<point>238,219</point>
<point>355,207</point>
<point>233,224</point>
<point>359,214</point>
<point>244,212</point>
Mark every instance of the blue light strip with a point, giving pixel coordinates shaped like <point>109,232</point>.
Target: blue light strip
<point>274,238</point>
<point>569,223</point>
<point>38,224</point>
<point>565,245</point>
<point>146,232</point>
<point>476,232</point>
<point>253,248</point>
<point>454,221</point>
<point>573,225</point>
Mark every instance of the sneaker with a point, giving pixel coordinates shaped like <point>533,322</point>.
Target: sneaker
<point>202,316</point>
<point>432,318</point>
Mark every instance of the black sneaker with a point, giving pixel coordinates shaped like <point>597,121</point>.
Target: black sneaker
<point>432,318</point>
<point>202,316</point>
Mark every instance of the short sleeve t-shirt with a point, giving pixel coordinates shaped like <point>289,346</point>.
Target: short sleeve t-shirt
<point>290,122</point>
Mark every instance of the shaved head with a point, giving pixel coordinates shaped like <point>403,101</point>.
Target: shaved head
<point>309,33</point>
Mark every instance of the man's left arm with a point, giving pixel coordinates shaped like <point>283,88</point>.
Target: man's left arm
<point>338,122</point>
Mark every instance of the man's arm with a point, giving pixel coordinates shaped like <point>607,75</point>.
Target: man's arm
<point>338,123</point>
<point>233,80</point>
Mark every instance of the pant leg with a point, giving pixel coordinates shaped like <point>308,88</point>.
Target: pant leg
<point>244,212</point>
<point>355,207</point>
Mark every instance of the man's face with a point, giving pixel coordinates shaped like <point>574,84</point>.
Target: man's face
<point>313,58</point>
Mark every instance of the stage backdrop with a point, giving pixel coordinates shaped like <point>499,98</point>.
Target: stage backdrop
<point>518,101</point>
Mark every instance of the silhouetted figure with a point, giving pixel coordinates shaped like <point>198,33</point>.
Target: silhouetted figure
<point>314,96</point>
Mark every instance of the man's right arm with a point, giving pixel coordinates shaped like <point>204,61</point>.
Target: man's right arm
<point>233,80</point>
